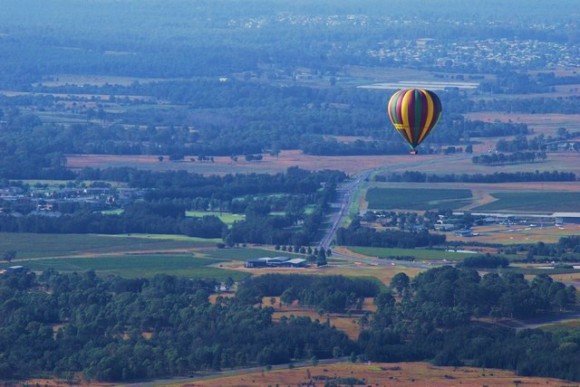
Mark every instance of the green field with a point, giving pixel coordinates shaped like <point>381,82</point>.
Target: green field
<point>226,217</point>
<point>533,202</point>
<point>421,254</point>
<point>57,245</point>
<point>243,254</point>
<point>132,266</point>
<point>417,199</point>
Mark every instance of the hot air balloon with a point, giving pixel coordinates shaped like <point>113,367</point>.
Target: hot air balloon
<point>414,113</point>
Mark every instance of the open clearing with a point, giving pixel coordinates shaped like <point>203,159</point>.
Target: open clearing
<point>137,266</point>
<point>351,268</point>
<point>379,374</point>
<point>417,199</point>
<point>432,164</point>
<point>420,254</point>
<point>540,123</point>
<point>226,217</point>
<point>533,202</point>
<point>545,193</point>
<point>29,245</point>
<point>345,322</point>
<point>269,164</point>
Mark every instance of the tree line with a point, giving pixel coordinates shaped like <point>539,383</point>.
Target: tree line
<point>435,316</point>
<point>512,158</point>
<point>116,329</point>
<point>357,235</point>
<point>496,177</point>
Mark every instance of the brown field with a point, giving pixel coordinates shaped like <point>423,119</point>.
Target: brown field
<point>345,322</point>
<point>436,164</point>
<point>381,374</point>
<point>93,80</point>
<point>540,123</point>
<point>270,164</point>
<point>80,97</point>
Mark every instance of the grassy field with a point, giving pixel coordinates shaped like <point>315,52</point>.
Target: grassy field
<point>243,254</point>
<point>131,266</point>
<point>55,245</point>
<point>226,217</point>
<point>565,325</point>
<point>420,254</point>
<point>417,199</point>
<point>355,269</point>
<point>533,202</point>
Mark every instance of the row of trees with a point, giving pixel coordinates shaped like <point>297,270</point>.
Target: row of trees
<point>512,158</point>
<point>357,235</point>
<point>133,220</point>
<point>496,177</point>
<point>566,250</point>
<point>538,143</point>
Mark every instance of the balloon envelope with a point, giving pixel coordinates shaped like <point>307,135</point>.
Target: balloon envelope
<point>414,113</point>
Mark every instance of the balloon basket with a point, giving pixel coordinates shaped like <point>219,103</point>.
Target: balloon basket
<point>413,152</point>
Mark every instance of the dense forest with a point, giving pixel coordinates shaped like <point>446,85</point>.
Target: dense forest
<point>437,315</point>
<point>115,329</point>
<point>119,329</point>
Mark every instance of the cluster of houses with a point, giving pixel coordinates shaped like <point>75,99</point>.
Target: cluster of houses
<point>47,201</point>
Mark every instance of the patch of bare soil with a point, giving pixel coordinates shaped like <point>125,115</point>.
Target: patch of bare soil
<point>380,374</point>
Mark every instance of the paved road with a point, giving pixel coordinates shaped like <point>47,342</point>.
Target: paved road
<point>347,190</point>
<point>345,195</point>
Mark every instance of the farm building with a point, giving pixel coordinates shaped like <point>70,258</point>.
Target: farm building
<point>465,233</point>
<point>567,217</point>
<point>14,269</point>
<point>276,262</point>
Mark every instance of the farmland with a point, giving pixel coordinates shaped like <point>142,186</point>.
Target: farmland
<point>345,322</point>
<point>358,267</point>
<point>416,199</point>
<point>382,374</point>
<point>226,217</point>
<point>138,266</point>
<point>533,202</point>
<point>420,254</point>
<point>243,254</point>
<point>54,245</point>
<point>224,165</point>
